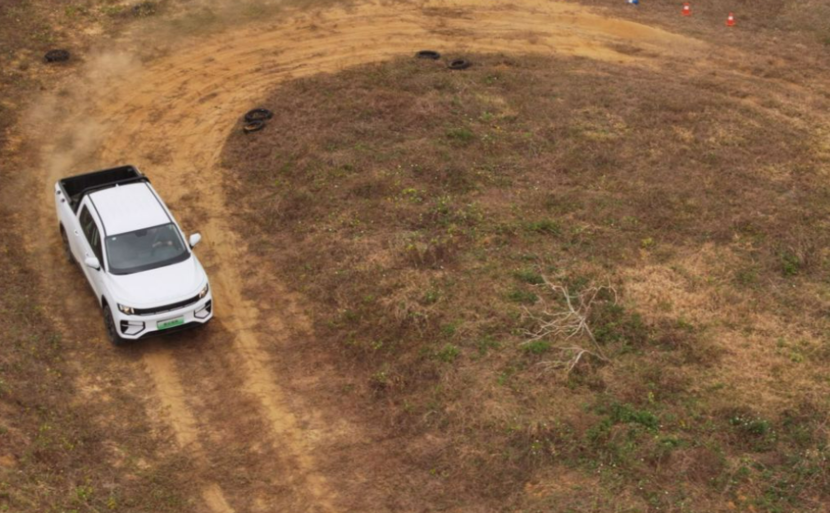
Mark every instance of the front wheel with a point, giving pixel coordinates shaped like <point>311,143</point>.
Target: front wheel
<point>112,331</point>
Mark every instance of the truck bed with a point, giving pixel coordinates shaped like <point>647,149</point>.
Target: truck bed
<point>75,187</point>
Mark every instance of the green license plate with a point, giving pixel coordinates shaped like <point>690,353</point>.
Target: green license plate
<point>172,323</point>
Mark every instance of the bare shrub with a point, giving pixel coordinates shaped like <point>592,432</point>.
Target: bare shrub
<point>568,325</point>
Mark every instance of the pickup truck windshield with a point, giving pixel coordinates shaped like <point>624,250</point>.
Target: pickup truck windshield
<point>145,249</point>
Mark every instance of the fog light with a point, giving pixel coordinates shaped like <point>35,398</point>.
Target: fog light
<point>204,312</point>
<point>132,327</point>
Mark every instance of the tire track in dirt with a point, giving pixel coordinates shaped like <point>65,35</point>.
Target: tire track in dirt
<point>172,118</point>
<point>160,365</point>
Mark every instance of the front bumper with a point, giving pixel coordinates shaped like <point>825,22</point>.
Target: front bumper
<point>133,327</point>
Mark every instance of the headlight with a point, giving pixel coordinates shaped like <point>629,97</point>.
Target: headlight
<point>126,309</point>
<point>204,291</point>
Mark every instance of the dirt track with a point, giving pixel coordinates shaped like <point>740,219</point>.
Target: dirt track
<point>216,390</point>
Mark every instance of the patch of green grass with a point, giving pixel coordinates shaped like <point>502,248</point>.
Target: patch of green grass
<point>112,10</point>
<point>750,425</point>
<point>529,276</point>
<point>521,296</point>
<point>449,330</point>
<point>790,264</point>
<point>430,297</point>
<point>76,10</point>
<point>448,353</point>
<point>379,380</point>
<point>627,414</point>
<point>754,431</point>
<point>613,323</point>
<point>506,376</point>
<point>461,135</point>
<point>545,226</point>
<point>747,276</point>
<point>485,344</point>
<point>536,347</point>
<point>413,194</point>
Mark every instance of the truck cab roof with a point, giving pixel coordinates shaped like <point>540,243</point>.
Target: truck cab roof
<point>127,208</point>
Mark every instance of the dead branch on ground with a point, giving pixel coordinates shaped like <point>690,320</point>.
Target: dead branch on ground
<point>568,324</point>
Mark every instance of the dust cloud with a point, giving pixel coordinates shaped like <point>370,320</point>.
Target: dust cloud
<point>70,110</point>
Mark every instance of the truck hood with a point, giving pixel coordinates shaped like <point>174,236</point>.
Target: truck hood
<point>160,286</point>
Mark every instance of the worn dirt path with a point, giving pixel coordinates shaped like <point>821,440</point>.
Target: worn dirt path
<point>216,389</point>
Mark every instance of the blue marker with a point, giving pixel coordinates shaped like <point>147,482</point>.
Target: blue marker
<point>634,2</point>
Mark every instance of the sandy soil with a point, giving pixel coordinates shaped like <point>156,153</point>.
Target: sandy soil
<point>216,389</point>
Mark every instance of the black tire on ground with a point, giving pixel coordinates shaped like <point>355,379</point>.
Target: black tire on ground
<point>67,252</point>
<point>253,126</point>
<point>428,54</point>
<point>459,64</point>
<point>258,114</point>
<point>56,56</point>
<point>112,331</point>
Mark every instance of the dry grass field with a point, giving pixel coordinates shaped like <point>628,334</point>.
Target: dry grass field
<point>588,273</point>
<point>426,213</point>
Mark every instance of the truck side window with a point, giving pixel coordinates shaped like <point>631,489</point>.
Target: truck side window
<point>91,233</point>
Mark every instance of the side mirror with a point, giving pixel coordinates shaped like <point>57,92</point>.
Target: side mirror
<point>92,263</point>
<point>194,239</point>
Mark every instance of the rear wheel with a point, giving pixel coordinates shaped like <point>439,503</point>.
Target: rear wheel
<point>112,331</point>
<point>67,251</point>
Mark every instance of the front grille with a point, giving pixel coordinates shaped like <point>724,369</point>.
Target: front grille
<point>170,331</point>
<point>167,308</point>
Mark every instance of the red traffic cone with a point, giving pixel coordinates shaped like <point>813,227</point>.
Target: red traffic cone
<point>730,20</point>
<point>687,10</point>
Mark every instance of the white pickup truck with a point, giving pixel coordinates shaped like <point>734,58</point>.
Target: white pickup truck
<point>133,253</point>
